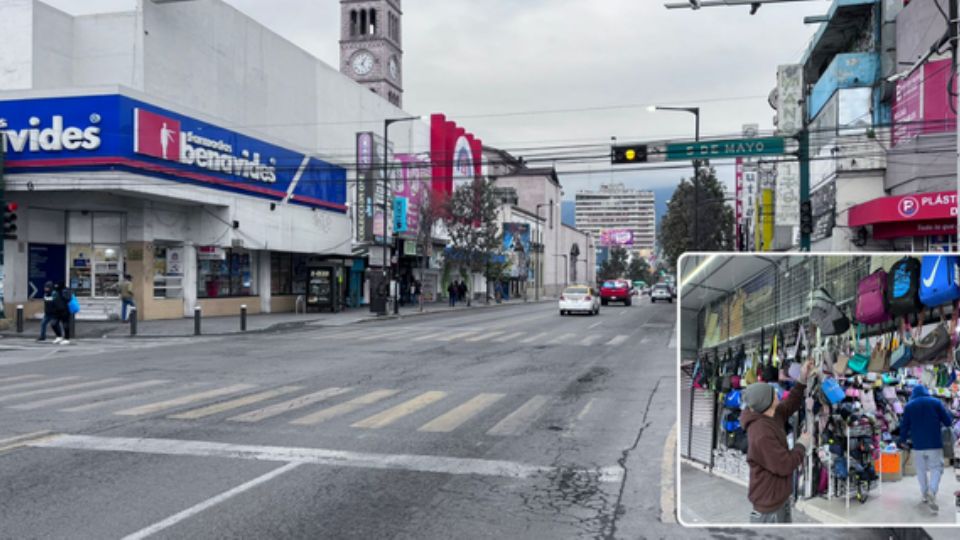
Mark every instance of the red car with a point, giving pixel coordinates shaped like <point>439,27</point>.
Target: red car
<point>616,290</point>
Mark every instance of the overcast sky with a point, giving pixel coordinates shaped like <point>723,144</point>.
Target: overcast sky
<point>469,58</point>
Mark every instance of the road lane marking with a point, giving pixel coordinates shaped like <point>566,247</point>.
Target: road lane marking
<point>520,419</point>
<point>42,391</point>
<point>594,325</point>
<point>672,344</point>
<point>86,395</point>
<point>658,325</point>
<point>459,415</point>
<point>645,339</point>
<point>18,378</point>
<point>382,335</point>
<point>34,384</point>
<point>668,491</point>
<point>531,339</point>
<point>458,335</point>
<point>619,340</point>
<point>22,440</point>
<point>292,405</point>
<point>561,338</point>
<point>151,408</point>
<point>121,399</point>
<point>509,337</point>
<point>486,336</point>
<point>213,501</point>
<point>216,408</point>
<point>346,407</point>
<point>432,335</point>
<point>320,456</point>
<point>575,423</point>
<point>406,408</point>
<point>589,340</point>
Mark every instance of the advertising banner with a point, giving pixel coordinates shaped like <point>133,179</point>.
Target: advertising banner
<point>45,262</point>
<point>456,155</point>
<point>413,185</point>
<point>789,99</point>
<point>370,190</point>
<point>516,247</point>
<point>921,103</point>
<point>787,209</point>
<point>616,237</point>
<point>738,208</point>
<point>109,132</point>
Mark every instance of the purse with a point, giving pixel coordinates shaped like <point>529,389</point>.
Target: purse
<point>902,355</point>
<point>880,357</point>
<point>844,352</point>
<point>860,360</point>
<point>934,347</point>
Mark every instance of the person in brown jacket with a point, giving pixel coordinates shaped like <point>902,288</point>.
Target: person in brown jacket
<point>772,462</point>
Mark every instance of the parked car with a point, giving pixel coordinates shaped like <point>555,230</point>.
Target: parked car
<point>661,291</point>
<point>616,290</point>
<point>579,298</point>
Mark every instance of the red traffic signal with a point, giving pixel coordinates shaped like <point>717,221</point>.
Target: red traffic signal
<point>10,220</point>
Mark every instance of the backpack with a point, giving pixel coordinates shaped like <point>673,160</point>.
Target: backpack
<point>826,315</point>
<point>872,299</point>
<point>939,279</point>
<point>732,400</point>
<point>903,287</point>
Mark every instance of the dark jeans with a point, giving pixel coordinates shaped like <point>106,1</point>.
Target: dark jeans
<point>66,326</point>
<point>49,319</point>
<point>124,303</point>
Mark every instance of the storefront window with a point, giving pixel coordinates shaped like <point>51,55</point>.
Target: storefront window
<point>224,273</point>
<point>168,271</point>
<point>288,273</point>
<point>81,266</point>
<point>107,271</point>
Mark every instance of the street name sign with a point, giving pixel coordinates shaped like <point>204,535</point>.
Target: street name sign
<point>766,146</point>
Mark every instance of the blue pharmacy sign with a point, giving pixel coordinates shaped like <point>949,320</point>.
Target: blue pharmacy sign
<point>400,214</point>
<point>115,132</point>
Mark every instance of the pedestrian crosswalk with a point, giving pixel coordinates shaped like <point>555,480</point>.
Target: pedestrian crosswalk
<point>497,334</point>
<point>426,411</point>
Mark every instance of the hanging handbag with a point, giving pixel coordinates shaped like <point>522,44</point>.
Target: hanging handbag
<point>750,369</point>
<point>832,390</point>
<point>861,359</point>
<point>770,371</point>
<point>902,355</point>
<point>880,357</point>
<point>826,315</point>
<point>934,347</point>
<point>872,300</point>
<point>844,352</point>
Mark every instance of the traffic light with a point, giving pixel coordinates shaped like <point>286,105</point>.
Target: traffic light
<point>633,153</point>
<point>10,221</point>
<point>806,217</point>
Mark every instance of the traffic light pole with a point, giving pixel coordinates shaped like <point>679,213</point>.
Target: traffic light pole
<point>804,138</point>
<point>3,219</point>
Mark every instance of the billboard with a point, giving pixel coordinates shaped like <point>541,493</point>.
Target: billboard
<point>516,247</point>
<point>413,186</point>
<point>921,104</point>
<point>370,190</point>
<point>456,155</point>
<point>616,237</point>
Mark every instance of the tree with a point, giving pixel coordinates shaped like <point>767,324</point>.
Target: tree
<point>715,219</point>
<point>432,208</point>
<point>475,235</point>
<point>616,264</point>
<point>639,270</point>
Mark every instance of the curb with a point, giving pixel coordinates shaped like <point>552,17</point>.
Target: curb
<point>391,316</point>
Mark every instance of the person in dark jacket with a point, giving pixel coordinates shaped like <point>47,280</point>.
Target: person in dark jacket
<point>923,418</point>
<point>61,309</point>
<point>772,462</point>
<point>49,315</point>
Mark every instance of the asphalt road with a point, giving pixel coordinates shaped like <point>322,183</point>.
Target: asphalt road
<point>511,422</point>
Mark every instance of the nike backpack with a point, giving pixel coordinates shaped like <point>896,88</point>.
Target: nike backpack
<point>939,279</point>
<point>872,299</point>
<point>903,287</point>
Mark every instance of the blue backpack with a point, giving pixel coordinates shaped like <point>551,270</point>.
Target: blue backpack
<point>903,287</point>
<point>939,279</point>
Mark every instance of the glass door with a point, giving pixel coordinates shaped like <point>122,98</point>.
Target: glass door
<point>81,270</point>
<point>107,265</point>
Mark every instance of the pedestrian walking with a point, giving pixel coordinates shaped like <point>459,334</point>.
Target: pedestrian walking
<point>463,291</point>
<point>921,429</point>
<point>453,291</point>
<point>416,291</point>
<point>61,310</point>
<point>126,296</point>
<point>50,314</point>
<point>772,462</point>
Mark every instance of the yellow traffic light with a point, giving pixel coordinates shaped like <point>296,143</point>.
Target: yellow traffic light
<point>631,154</point>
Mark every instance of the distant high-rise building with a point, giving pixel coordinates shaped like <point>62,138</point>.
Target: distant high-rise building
<point>615,208</point>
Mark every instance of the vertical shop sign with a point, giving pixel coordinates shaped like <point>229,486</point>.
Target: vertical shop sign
<point>364,209</point>
<point>789,99</point>
<point>787,210</point>
<point>738,217</point>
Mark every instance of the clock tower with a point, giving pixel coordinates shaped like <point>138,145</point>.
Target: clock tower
<point>370,46</point>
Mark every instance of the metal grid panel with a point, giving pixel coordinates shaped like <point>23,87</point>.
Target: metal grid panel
<point>686,410</point>
<point>701,432</point>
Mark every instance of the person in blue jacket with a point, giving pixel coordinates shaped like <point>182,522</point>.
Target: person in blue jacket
<point>923,419</point>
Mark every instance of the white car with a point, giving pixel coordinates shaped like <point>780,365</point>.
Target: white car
<point>661,292</point>
<point>579,298</point>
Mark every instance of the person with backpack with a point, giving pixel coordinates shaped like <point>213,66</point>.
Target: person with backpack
<point>772,462</point>
<point>922,423</point>
<point>61,311</point>
<point>50,314</point>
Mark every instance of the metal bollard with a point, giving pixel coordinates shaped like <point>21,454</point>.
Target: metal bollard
<point>243,318</point>
<point>19,319</point>
<point>133,320</point>
<point>196,321</point>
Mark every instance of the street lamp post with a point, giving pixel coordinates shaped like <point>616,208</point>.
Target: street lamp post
<point>696,170</point>
<point>536,275</point>
<point>386,182</point>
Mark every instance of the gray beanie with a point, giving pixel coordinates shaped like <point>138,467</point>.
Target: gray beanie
<point>758,397</point>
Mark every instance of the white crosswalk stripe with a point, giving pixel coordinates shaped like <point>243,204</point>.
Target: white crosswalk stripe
<point>619,340</point>
<point>459,415</point>
<point>391,415</point>
<point>432,336</point>
<point>517,421</point>
<point>457,335</point>
<point>535,338</point>
<point>292,405</point>
<point>590,340</point>
<point>561,338</point>
<point>382,335</point>
<point>184,400</point>
<point>34,384</point>
<point>346,407</point>
<point>217,408</point>
<point>123,400</point>
<point>42,391</point>
<point>17,378</point>
<point>485,337</point>
<point>509,337</point>
<point>87,395</point>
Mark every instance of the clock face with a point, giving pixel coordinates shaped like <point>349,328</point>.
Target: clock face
<point>394,68</point>
<point>362,63</point>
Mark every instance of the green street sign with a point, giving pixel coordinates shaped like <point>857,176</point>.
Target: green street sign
<point>731,148</point>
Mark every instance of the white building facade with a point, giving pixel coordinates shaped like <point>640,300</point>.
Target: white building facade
<point>616,215</point>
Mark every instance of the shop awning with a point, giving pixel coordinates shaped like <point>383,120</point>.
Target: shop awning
<point>921,214</point>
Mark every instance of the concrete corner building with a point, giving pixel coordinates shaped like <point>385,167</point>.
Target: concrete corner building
<point>615,209</point>
<point>184,143</point>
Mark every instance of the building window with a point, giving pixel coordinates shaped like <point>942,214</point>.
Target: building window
<point>224,273</point>
<point>168,271</point>
<point>288,274</point>
<point>363,22</point>
<point>354,21</point>
<point>373,22</point>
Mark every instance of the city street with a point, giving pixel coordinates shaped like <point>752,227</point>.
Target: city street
<point>505,422</point>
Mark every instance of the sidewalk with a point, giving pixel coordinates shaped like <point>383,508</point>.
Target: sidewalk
<point>220,326</point>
